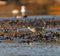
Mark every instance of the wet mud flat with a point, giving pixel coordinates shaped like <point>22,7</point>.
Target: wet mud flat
<point>35,49</point>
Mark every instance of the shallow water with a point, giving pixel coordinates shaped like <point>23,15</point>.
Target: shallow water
<point>35,49</point>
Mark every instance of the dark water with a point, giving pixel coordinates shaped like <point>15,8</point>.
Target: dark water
<point>32,17</point>
<point>35,49</point>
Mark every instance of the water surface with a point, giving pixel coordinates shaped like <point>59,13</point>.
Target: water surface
<point>23,49</point>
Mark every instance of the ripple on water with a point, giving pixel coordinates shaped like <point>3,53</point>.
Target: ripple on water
<point>22,49</point>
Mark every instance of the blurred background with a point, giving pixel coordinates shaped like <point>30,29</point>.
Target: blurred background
<point>32,7</point>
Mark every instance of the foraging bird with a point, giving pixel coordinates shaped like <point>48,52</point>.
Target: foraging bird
<point>32,29</point>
